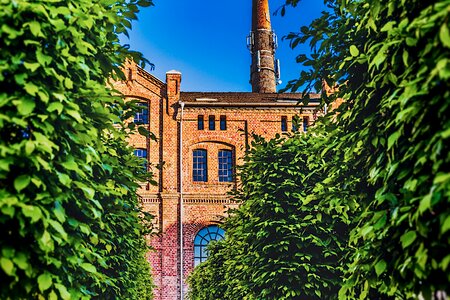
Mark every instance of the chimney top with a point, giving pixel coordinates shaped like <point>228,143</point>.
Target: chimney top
<point>262,43</point>
<point>261,15</point>
<point>173,72</point>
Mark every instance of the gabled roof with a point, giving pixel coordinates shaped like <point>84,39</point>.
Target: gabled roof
<point>149,77</point>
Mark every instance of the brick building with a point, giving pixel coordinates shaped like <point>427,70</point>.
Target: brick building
<point>201,137</point>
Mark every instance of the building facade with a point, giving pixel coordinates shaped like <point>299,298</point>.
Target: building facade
<point>201,137</point>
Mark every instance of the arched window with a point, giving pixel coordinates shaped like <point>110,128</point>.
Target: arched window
<point>202,239</point>
<point>199,166</point>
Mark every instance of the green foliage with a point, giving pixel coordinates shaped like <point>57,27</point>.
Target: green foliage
<point>390,60</point>
<point>285,241</point>
<point>359,208</point>
<point>208,280</point>
<point>71,222</point>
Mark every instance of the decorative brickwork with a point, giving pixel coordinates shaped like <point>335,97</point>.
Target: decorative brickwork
<point>182,206</point>
<point>203,203</point>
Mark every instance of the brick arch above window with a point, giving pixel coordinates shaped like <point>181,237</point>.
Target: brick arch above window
<point>205,221</point>
<point>137,97</point>
<point>212,147</point>
<point>214,217</point>
<point>227,142</point>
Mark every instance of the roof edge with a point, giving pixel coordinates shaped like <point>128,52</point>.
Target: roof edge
<point>150,77</point>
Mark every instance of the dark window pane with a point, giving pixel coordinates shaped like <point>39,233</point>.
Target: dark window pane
<point>212,122</point>
<point>199,166</point>
<point>305,123</point>
<point>283,123</point>
<point>200,123</point>
<point>225,166</point>
<point>223,123</point>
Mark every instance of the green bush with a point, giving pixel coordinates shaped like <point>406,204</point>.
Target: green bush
<point>363,200</point>
<point>390,62</point>
<point>284,242</point>
<point>71,222</point>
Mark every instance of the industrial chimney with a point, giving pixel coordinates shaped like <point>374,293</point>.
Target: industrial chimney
<point>262,43</point>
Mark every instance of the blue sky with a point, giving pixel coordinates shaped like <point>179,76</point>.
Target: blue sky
<point>206,41</point>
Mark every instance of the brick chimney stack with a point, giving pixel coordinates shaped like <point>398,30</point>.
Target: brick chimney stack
<point>262,43</point>
<point>169,143</point>
<point>173,81</point>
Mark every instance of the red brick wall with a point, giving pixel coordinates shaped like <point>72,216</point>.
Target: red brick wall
<point>203,203</point>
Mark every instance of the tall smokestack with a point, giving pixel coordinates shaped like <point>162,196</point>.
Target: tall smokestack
<point>262,43</point>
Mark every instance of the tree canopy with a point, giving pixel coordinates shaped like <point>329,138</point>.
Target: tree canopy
<point>71,223</point>
<point>370,183</point>
<point>283,242</point>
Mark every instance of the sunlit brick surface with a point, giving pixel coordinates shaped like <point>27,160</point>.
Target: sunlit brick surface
<point>204,203</point>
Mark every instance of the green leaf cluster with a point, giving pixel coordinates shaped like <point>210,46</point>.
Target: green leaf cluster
<point>288,238</point>
<point>389,63</point>
<point>359,207</point>
<point>71,221</point>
